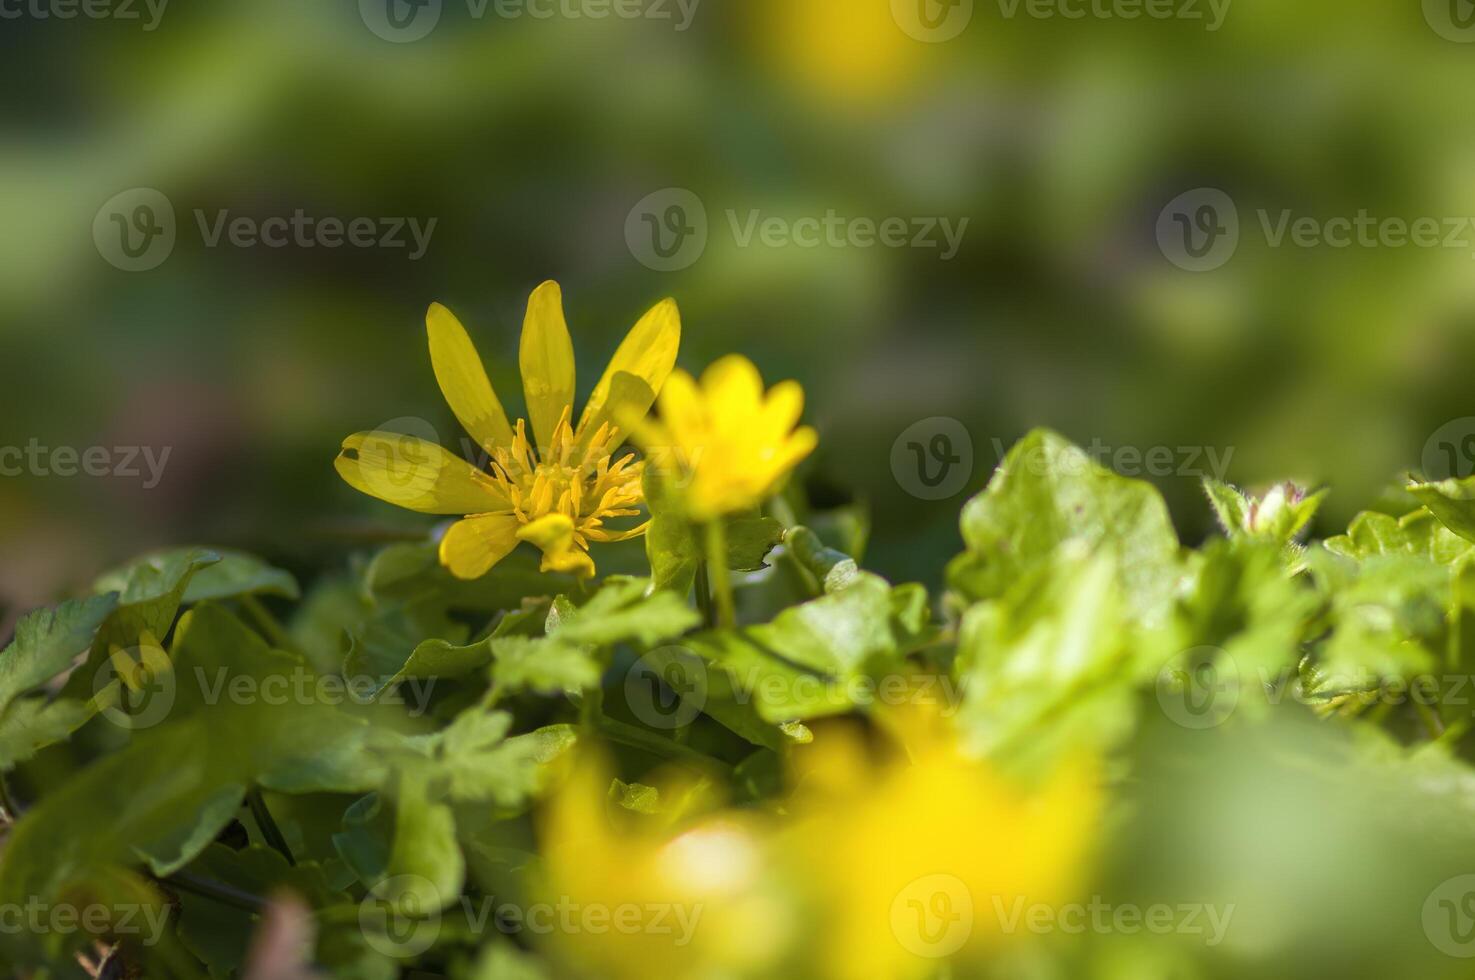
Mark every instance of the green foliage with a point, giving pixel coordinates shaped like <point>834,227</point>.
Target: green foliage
<point>393,742</point>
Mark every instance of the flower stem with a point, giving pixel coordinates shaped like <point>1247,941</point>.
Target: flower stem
<point>717,569</point>
<point>268,827</point>
<point>216,891</point>
<point>704,596</point>
<point>270,627</point>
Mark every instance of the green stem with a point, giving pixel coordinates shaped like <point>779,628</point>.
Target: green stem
<point>268,827</point>
<point>268,624</point>
<point>639,738</point>
<point>704,596</point>
<point>717,567</point>
<point>216,891</point>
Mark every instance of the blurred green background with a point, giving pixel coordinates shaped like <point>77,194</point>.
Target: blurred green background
<point>532,142</point>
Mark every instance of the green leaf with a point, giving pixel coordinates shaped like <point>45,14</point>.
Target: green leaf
<point>671,543</point>
<point>1452,501</point>
<point>185,843</point>
<point>1049,666</point>
<point>150,590</point>
<point>30,724</point>
<point>749,541</point>
<point>674,547</point>
<point>1419,533</point>
<point>426,869</point>
<point>622,612</point>
<point>542,665</point>
<point>501,961</point>
<point>809,660</point>
<point>100,817</point>
<point>48,641</point>
<point>238,574</point>
<point>832,569</point>
<point>220,934</point>
<point>473,761</point>
<point>1388,615</point>
<point>1048,502</point>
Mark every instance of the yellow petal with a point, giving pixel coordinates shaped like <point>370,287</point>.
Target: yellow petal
<point>683,412</point>
<point>546,356</point>
<point>793,451</point>
<point>416,474</point>
<point>463,379</point>
<point>734,389</point>
<point>472,546</point>
<point>782,409</point>
<point>554,534</point>
<point>647,354</point>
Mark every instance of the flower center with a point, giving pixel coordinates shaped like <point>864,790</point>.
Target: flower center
<point>584,483</point>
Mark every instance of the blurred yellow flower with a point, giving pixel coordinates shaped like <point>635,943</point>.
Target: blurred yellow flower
<point>928,856</point>
<point>841,52</point>
<point>724,443</point>
<point>656,895</point>
<point>555,488</point>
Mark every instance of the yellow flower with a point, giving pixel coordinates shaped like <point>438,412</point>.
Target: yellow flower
<point>554,487</point>
<point>681,895</point>
<point>723,442</point>
<point>912,860</point>
<point>841,52</point>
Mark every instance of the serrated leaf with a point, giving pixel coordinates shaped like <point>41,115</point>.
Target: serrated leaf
<point>1050,501</point>
<point>524,663</point>
<point>47,641</point>
<point>805,662</point>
